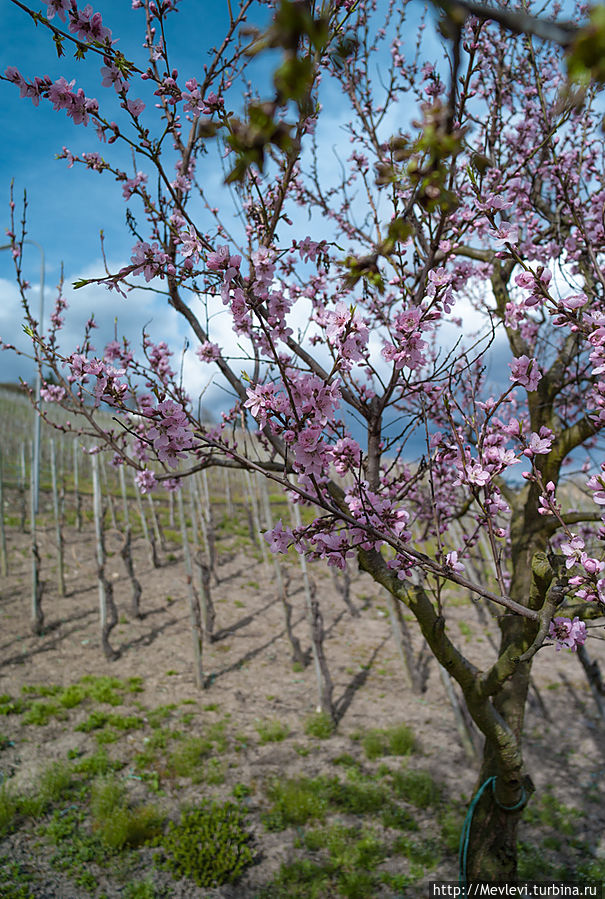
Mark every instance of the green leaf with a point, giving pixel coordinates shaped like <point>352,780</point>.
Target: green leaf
<point>58,39</point>
<point>293,78</point>
<point>586,58</point>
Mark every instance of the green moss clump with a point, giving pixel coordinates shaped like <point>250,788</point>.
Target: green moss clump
<point>210,845</point>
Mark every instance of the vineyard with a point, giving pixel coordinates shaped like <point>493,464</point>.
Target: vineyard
<point>183,716</point>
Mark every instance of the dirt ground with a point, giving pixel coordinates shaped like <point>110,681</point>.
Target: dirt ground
<point>253,681</point>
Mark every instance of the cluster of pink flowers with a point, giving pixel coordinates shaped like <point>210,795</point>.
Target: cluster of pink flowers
<point>208,352</point>
<point>408,347</point>
<point>60,93</point>
<point>53,393</point>
<point>568,634</point>
<point>149,260</point>
<point>146,480</point>
<point>347,332</point>
<point>525,371</point>
<point>170,433</point>
<point>108,386</point>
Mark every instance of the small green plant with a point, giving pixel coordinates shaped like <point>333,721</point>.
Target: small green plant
<point>40,713</point>
<point>398,740</point>
<point>97,764</point>
<point>14,880</point>
<point>360,797</point>
<point>272,731</point>
<point>189,759</point>
<point>139,889</point>
<point>116,823</point>
<point>210,845</point>
<point>416,787</point>
<point>240,791</point>
<point>451,827</point>
<point>99,719</point>
<point>9,809</point>
<point>420,852</point>
<point>295,801</point>
<point>319,725</point>
<point>10,706</point>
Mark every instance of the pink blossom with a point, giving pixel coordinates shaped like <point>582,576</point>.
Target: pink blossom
<point>145,480</point>
<point>346,455</point>
<point>191,245</point>
<point>525,371</point>
<point>219,259</point>
<point>129,186</point>
<point>279,538</point>
<point>451,560</point>
<point>88,25</point>
<point>573,550</point>
<point>539,444</point>
<point>170,433</point>
<point>57,7</point>
<point>52,393</point>
<point>505,234</point>
<point>112,77</point>
<point>260,401</point>
<point>568,634</point>
<point>135,107</point>
<point>148,260</point>
<point>208,352</point>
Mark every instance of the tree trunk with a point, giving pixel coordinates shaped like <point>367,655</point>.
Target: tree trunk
<point>492,843</point>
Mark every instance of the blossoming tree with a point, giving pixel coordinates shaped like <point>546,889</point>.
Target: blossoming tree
<point>464,227</point>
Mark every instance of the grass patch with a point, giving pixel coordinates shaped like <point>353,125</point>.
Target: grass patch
<point>295,802</point>
<point>99,719</point>
<point>192,757</point>
<point>9,810</point>
<point>416,787</point>
<point>115,822</point>
<point>320,726</point>
<point>75,849</point>
<point>350,857</point>
<point>272,731</point>
<point>398,740</point>
<point>14,880</point>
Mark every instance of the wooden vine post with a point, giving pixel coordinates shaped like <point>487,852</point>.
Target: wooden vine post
<point>57,515</point>
<point>3,549</point>
<point>149,538</point>
<point>324,681</point>
<point>195,617</point>
<point>107,608</point>
<point>77,494</point>
<point>37,615</point>
<point>126,551</point>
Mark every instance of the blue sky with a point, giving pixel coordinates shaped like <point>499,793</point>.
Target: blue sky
<point>68,207</point>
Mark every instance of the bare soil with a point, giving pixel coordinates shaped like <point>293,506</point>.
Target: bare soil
<point>253,681</point>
